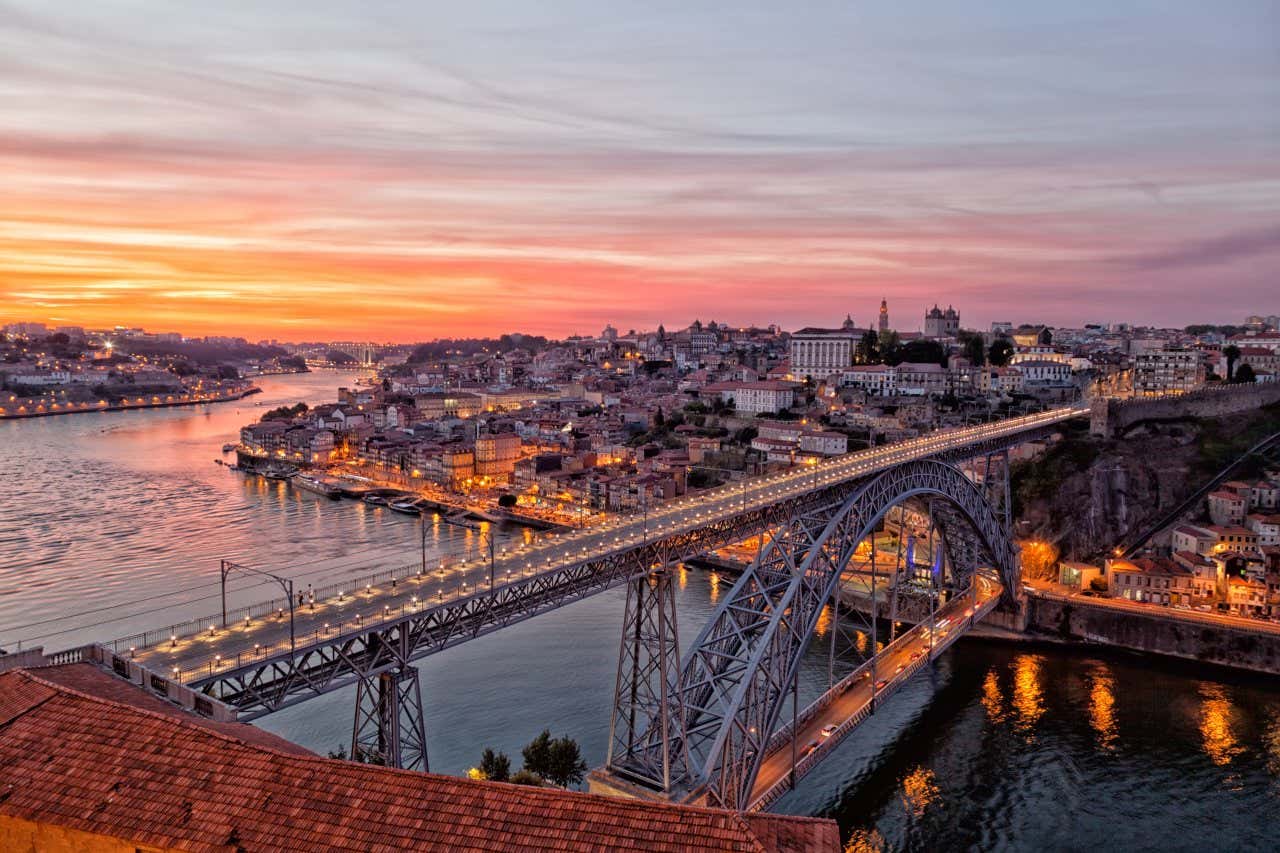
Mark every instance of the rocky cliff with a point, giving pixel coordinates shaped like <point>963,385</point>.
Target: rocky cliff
<point>1085,494</point>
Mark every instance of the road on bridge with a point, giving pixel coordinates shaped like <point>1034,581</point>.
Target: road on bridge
<point>204,648</point>
<point>854,695</point>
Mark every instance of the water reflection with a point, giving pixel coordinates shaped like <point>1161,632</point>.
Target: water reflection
<point>824,617</point>
<point>919,789</point>
<point>865,841</point>
<point>1028,695</point>
<point>993,697</point>
<point>1102,707</point>
<point>715,587</point>
<point>1215,724</point>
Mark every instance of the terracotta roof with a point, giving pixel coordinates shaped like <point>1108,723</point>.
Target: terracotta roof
<point>117,766</point>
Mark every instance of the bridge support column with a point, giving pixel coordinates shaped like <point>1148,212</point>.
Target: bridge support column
<point>648,712</point>
<point>389,726</point>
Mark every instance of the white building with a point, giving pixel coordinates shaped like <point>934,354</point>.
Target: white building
<point>999,380</point>
<point>1045,372</point>
<point>757,398</point>
<point>921,379</point>
<point>881,379</point>
<point>819,354</point>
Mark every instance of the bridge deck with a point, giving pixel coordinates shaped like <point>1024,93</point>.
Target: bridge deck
<point>533,578</point>
<point>851,700</point>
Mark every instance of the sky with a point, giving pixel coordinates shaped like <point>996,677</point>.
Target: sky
<point>402,171</point>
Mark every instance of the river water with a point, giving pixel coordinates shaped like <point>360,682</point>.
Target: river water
<point>112,523</point>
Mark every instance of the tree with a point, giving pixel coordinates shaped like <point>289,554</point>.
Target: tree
<point>334,356</point>
<point>975,350</point>
<point>659,420</point>
<point>507,501</point>
<point>918,352</point>
<point>495,766</point>
<point>869,348</point>
<point>524,777</point>
<point>1245,373</point>
<point>1000,352</point>
<point>1046,336</point>
<point>228,371</point>
<point>1232,354</point>
<point>558,760</point>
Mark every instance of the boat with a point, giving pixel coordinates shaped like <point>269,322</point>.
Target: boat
<point>375,500</point>
<point>233,467</point>
<point>217,462</point>
<point>227,448</point>
<point>277,474</point>
<point>409,506</point>
<point>317,486</point>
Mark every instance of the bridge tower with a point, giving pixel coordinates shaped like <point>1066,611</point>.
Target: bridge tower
<point>389,726</point>
<point>648,709</point>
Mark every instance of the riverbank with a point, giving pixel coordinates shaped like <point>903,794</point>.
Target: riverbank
<point>155,402</point>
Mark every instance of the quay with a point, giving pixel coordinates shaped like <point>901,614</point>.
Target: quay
<point>154,401</point>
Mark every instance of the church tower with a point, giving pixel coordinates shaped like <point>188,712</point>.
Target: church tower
<point>884,315</point>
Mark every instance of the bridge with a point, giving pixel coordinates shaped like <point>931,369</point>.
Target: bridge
<point>699,728</point>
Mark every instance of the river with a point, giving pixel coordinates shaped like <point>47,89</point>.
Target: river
<point>111,523</point>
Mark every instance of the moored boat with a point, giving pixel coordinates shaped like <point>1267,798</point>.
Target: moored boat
<point>409,506</point>
<point>317,486</point>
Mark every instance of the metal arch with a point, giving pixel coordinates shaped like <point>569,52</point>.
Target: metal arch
<point>743,662</point>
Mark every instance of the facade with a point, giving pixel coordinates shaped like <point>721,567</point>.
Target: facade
<point>923,379</point>
<point>757,398</point>
<point>941,324</point>
<point>878,379</point>
<point>1044,372</point>
<point>1151,580</point>
<point>819,354</point>
<point>1166,371</point>
<point>1227,508</point>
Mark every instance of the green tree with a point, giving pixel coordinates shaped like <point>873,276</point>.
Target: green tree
<point>1000,352</point>
<point>524,777</point>
<point>1046,336</point>
<point>975,350</point>
<point>868,348</point>
<point>557,760</point>
<point>1245,373</point>
<point>1232,354</point>
<point>495,766</point>
<point>507,501</point>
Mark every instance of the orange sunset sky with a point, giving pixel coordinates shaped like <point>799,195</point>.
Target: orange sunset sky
<point>397,173</point>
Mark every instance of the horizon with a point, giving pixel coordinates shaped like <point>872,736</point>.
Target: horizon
<point>404,174</point>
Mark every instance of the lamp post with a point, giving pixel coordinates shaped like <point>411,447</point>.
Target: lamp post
<point>286,584</point>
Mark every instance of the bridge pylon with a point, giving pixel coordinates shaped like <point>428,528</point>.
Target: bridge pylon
<point>648,709</point>
<point>390,728</point>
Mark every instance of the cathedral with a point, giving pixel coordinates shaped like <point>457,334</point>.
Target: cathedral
<point>941,324</point>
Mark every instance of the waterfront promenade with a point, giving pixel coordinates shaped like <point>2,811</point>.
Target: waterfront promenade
<point>13,409</point>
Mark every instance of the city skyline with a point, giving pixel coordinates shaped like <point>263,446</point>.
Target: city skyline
<point>402,176</point>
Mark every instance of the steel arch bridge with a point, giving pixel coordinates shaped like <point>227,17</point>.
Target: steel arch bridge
<point>719,711</point>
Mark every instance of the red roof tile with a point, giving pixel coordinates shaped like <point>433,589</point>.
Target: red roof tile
<point>114,764</point>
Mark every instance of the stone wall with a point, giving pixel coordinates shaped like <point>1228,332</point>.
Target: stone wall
<point>1079,622</point>
<point>1110,417</point>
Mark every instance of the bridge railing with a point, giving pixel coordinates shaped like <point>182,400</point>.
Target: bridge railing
<point>257,610</point>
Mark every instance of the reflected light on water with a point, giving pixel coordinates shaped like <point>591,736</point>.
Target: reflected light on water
<point>715,587</point>
<point>684,576</point>
<point>992,697</point>
<point>865,841</point>
<point>1215,725</point>
<point>1102,707</point>
<point>824,618</point>
<point>1028,696</point>
<point>919,789</point>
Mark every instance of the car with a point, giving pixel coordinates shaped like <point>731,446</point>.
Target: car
<point>808,750</point>
<point>915,655</point>
<point>882,684</point>
<point>900,668</point>
<point>969,612</point>
<point>828,731</point>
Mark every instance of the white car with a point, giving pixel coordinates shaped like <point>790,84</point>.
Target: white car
<point>828,731</point>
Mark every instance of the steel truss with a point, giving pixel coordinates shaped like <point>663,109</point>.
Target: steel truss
<point>390,728</point>
<point>740,668</point>
<point>646,700</point>
<point>361,656</point>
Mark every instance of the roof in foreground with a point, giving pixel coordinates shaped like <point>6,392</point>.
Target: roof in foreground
<point>78,753</point>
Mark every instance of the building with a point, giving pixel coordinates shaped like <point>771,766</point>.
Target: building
<point>999,380</point>
<point>91,761</point>
<point>496,455</point>
<point>1227,508</point>
<point>879,379</point>
<point>1153,580</point>
<point>923,378</point>
<point>1044,372</point>
<point>1166,371</point>
<point>756,398</point>
<point>884,315</point>
<point>941,324</point>
<point>819,354</point>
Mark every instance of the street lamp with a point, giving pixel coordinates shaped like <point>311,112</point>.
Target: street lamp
<point>286,584</point>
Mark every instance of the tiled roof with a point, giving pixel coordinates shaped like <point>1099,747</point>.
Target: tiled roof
<point>113,764</point>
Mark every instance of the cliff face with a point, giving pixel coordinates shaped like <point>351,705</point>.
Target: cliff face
<point>1087,494</point>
